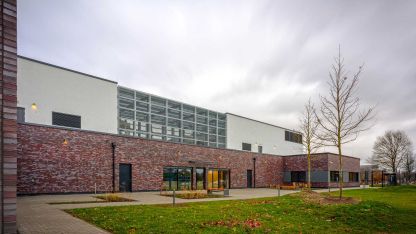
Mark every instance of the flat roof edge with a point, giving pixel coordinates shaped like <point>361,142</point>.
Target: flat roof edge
<point>276,126</point>
<point>323,153</point>
<point>66,69</point>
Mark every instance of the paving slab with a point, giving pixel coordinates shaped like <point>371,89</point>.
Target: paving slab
<point>35,214</point>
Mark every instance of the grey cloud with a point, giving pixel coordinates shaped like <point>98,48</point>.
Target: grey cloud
<point>262,59</point>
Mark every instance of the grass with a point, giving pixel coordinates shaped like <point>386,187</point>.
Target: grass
<point>387,210</point>
<point>192,196</point>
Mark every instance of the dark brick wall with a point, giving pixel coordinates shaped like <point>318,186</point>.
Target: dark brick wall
<point>47,165</point>
<point>8,101</point>
<point>321,162</point>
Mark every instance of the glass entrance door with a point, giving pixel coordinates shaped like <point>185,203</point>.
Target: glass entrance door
<point>218,179</point>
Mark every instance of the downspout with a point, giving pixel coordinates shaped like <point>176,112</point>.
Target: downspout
<point>113,149</point>
<point>254,172</point>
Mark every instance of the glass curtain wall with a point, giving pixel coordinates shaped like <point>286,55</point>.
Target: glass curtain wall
<point>178,178</point>
<point>200,178</point>
<point>148,116</point>
<point>218,179</point>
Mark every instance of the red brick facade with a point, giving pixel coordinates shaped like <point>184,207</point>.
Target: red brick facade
<point>59,160</point>
<point>48,165</point>
<point>8,102</point>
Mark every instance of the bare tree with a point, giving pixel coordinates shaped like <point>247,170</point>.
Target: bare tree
<point>308,127</point>
<point>340,118</point>
<point>391,149</point>
<point>409,165</point>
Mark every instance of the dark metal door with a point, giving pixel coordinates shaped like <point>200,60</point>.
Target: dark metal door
<point>249,178</point>
<point>125,177</point>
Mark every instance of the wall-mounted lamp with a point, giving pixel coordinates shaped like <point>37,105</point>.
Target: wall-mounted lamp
<point>34,106</point>
<point>65,142</point>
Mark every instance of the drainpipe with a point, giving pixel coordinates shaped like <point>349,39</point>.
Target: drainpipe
<point>254,172</point>
<point>113,149</point>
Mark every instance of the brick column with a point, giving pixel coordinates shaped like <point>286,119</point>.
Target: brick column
<point>8,101</point>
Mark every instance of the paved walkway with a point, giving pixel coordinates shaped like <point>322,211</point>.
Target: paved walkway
<point>35,215</point>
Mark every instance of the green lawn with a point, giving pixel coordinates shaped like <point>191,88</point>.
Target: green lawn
<point>391,210</point>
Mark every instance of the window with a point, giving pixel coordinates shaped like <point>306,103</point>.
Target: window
<point>67,120</point>
<point>126,124</point>
<point>142,97</point>
<point>173,139</point>
<point>174,131</point>
<point>213,122</point>
<point>188,108</point>
<point>212,115</point>
<point>293,137</point>
<point>156,128</point>
<point>188,125</point>
<point>221,124</point>
<point>334,176</point>
<point>158,120</point>
<point>142,135</point>
<point>174,105</point>
<point>125,93</point>
<point>141,106</point>
<point>127,114</point>
<point>200,178</point>
<point>188,117</point>
<point>222,117</point>
<point>174,123</point>
<point>201,136</point>
<point>188,141</point>
<point>298,176</point>
<point>246,146</point>
<point>20,114</point>
<point>158,110</point>
<point>174,113</point>
<point>188,133</point>
<point>201,119</point>
<point>158,101</point>
<point>178,178</point>
<point>221,140</point>
<point>201,128</point>
<point>142,117</point>
<point>353,177</point>
<point>200,111</point>
<point>213,130</point>
<point>126,103</point>
<point>260,149</point>
<point>142,126</point>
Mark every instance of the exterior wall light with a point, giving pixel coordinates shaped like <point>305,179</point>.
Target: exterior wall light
<point>65,142</point>
<point>34,106</point>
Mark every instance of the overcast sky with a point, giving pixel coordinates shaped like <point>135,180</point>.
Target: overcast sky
<point>260,59</point>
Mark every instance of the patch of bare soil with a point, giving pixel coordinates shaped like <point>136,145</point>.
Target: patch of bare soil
<point>257,202</point>
<point>248,223</point>
<point>323,199</point>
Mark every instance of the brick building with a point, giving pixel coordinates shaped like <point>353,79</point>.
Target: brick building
<point>81,133</point>
<point>60,160</point>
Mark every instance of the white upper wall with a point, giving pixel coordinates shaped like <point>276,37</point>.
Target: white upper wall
<point>60,90</point>
<point>272,138</point>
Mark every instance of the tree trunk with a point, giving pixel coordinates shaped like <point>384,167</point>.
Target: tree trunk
<point>309,167</point>
<point>341,173</point>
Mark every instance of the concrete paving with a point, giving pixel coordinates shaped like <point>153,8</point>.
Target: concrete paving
<point>36,215</point>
